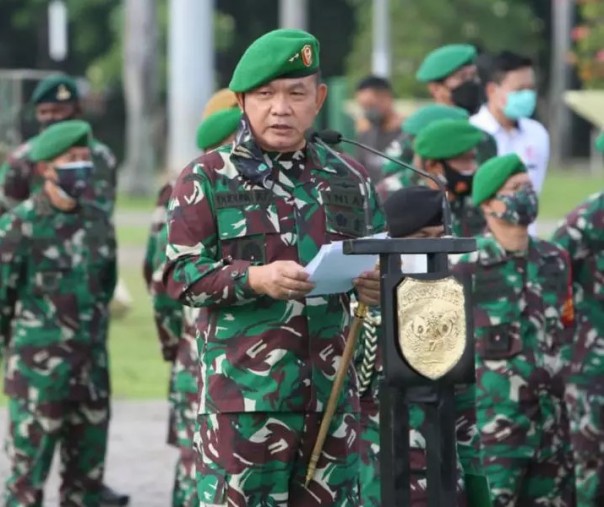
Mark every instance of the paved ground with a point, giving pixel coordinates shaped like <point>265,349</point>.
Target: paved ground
<point>139,462</point>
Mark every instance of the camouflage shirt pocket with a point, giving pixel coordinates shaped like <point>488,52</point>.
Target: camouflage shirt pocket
<point>344,214</point>
<point>245,225</point>
<point>499,342</point>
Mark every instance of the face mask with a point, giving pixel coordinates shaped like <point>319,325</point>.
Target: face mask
<point>459,184</point>
<point>468,96</point>
<point>520,104</point>
<point>374,115</point>
<point>73,177</point>
<point>521,208</point>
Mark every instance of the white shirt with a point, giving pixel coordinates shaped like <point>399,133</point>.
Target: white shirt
<point>530,141</point>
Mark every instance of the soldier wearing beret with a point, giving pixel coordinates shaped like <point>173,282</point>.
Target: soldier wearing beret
<point>451,75</point>
<point>582,235</point>
<point>176,324</point>
<point>54,275</point>
<point>524,324</point>
<point>403,147</point>
<point>447,150</point>
<point>56,99</point>
<point>243,222</point>
<point>414,212</point>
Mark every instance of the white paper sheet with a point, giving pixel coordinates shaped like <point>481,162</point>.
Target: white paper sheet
<point>332,272</point>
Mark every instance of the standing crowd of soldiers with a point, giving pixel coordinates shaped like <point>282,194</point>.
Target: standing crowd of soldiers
<point>253,355</point>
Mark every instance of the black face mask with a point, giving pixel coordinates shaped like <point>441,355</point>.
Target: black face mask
<point>468,95</point>
<point>458,184</point>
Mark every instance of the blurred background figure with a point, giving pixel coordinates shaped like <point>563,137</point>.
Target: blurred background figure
<point>380,124</point>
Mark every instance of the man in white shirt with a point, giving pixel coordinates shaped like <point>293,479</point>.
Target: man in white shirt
<point>511,101</point>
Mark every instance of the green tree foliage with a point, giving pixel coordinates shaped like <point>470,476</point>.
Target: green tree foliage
<point>589,44</point>
<point>417,27</point>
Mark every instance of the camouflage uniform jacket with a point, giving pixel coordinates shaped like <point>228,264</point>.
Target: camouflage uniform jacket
<point>56,279</point>
<point>167,313</point>
<point>19,179</point>
<point>582,235</point>
<point>523,324</point>
<point>237,207</point>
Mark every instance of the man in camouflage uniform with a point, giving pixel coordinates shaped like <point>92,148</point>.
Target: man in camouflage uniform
<point>414,212</point>
<point>176,325</point>
<point>56,99</point>
<point>244,220</point>
<point>582,235</point>
<point>523,324</point>
<point>446,149</point>
<point>451,76</point>
<point>400,177</point>
<point>56,282</point>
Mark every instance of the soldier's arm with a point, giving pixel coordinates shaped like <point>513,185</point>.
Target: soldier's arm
<point>196,273</point>
<point>12,259</point>
<point>158,222</point>
<point>109,275</point>
<point>167,313</point>
<point>573,234</point>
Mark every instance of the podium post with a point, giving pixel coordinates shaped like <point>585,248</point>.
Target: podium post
<point>427,348</point>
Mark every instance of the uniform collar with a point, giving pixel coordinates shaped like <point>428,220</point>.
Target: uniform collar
<point>489,123</point>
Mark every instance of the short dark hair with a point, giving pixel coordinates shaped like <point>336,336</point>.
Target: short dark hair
<point>374,83</point>
<point>505,62</point>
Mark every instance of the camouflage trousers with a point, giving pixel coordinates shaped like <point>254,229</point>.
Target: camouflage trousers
<point>184,401</point>
<point>369,474</point>
<point>79,427</point>
<point>261,459</point>
<point>587,436</point>
<point>536,482</point>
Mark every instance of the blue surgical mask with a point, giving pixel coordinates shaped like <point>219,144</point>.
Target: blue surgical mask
<point>520,104</point>
<point>73,177</point>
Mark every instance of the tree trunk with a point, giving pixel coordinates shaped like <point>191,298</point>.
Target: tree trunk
<point>141,94</point>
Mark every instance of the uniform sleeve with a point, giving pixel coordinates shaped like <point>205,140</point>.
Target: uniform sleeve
<point>573,236</point>
<point>12,259</point>
<point>167,313</point>
<point>196,274</point>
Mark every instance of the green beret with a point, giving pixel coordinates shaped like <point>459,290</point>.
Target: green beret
<point>444,139</point>
<point>442,62</point>
<point>600,143</point>
<point>493,174</point>
<point>278,54</point>
<point>217,127</point>
<point>57,88</point>
<point>58,138</point>
<point>431,113</point>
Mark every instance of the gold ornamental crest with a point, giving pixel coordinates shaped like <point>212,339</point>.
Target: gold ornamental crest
<point>431,324</point>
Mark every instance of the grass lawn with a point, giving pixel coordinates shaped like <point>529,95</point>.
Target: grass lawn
<point>564,190</point>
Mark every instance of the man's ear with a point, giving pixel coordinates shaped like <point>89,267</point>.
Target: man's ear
<point>240,100</point>
<point>433,166</point>
<point>42,168</point>
<point>433,88</point>
<point>321,96</point>
<point>487,207</point>
<point>490,89</point>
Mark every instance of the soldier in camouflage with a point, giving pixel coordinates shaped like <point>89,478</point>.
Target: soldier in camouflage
<point>410,212</point>
<point>56,99</point>
<point>402,148</point>
<point>176,324</point>
<point>524,323</point>
<point>56,282</point>
<point>243,222</point>
<point>451,76</point>
<point>446,149</point>
<point>582,235</point>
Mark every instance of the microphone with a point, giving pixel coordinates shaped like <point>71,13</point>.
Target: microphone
<point>333,137</point>
<point>314,137</point>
